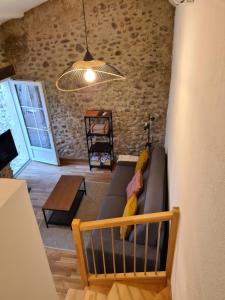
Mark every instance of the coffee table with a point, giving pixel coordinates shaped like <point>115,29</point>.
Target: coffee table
<point>64,200</point>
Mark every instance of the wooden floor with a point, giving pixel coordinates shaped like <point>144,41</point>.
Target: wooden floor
<point>41,178</point>
<point>63,266</point>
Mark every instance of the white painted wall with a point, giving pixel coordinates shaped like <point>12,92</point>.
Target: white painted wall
<point>11,9</point>
<point>24,269</point>
<point>196,150</point>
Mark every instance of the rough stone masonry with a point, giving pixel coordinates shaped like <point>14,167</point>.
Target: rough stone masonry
<point>135,36</point>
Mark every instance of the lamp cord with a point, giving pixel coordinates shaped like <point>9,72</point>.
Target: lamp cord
<point>85,25</point>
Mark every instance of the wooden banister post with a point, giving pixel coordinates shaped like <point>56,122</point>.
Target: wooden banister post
<point>172,241</point>
<point>80,251</point>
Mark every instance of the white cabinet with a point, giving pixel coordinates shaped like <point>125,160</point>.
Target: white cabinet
<point>24,269</point>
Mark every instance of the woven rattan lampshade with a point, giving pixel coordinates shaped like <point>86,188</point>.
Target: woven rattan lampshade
<point>87,72</point>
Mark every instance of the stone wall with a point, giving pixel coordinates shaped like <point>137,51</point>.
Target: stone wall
<point>133,35</point>
<point>6,172</point>
<point>4,116</point>
<point>3,59</point>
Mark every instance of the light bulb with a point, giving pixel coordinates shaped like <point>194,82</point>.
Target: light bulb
<point>89,75</point>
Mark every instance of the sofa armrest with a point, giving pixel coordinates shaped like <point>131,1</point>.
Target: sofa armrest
<point>126,163</point>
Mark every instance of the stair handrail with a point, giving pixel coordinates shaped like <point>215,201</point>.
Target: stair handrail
<point>78,227</point>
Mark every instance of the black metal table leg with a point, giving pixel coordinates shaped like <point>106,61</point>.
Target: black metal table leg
<point>46,222</point>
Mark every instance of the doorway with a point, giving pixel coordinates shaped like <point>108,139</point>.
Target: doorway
<point>23,109</point>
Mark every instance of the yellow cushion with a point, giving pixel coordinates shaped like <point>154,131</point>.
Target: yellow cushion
<point>129,210</point>
<point>142,160</point>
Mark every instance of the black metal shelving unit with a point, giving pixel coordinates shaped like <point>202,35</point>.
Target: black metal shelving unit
<point>99,144</point>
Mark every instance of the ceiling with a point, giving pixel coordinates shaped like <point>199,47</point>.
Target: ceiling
<point>11,9</point>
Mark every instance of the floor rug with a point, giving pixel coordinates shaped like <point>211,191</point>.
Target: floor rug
<point>60,237</point>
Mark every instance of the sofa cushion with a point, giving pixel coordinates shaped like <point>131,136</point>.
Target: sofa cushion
<point>154,200</point>
<point>142,161</point>
<point>142,196</point>
<point>129,210</point>
<point>121,177</point>
<point>156,182</point>
<point>112,207</point>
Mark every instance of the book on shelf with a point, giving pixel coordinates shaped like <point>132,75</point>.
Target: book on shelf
<point>99,128</point>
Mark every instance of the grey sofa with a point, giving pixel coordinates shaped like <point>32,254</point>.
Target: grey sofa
<point>152,199</point>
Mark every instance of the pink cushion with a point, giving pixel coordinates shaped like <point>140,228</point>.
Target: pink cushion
<point>135,185</point>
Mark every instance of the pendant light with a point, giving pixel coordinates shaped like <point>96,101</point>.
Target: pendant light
<point>87,72</point>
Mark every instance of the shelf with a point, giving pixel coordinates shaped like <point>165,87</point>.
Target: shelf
<point>102,166</point>
<point>101,147</point>
<point>98,134</point>
<point>98,114</point>
<point>99,144</point>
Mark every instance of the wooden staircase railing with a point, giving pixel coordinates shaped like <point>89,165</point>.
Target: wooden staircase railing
<point>79,228</point>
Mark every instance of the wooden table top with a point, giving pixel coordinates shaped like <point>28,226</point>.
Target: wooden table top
<point>64,193</point>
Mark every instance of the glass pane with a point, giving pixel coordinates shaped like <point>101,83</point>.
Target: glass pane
<point>40,119</point>
<point>34,137</point>
<point>29,117</point>
<point>23,95</point>
<point>17,163</point>
<point>35,96</point>
<point>9,120</point>
<point>45,141</point>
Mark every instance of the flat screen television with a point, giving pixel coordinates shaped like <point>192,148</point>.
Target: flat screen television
<point>7,149</point>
